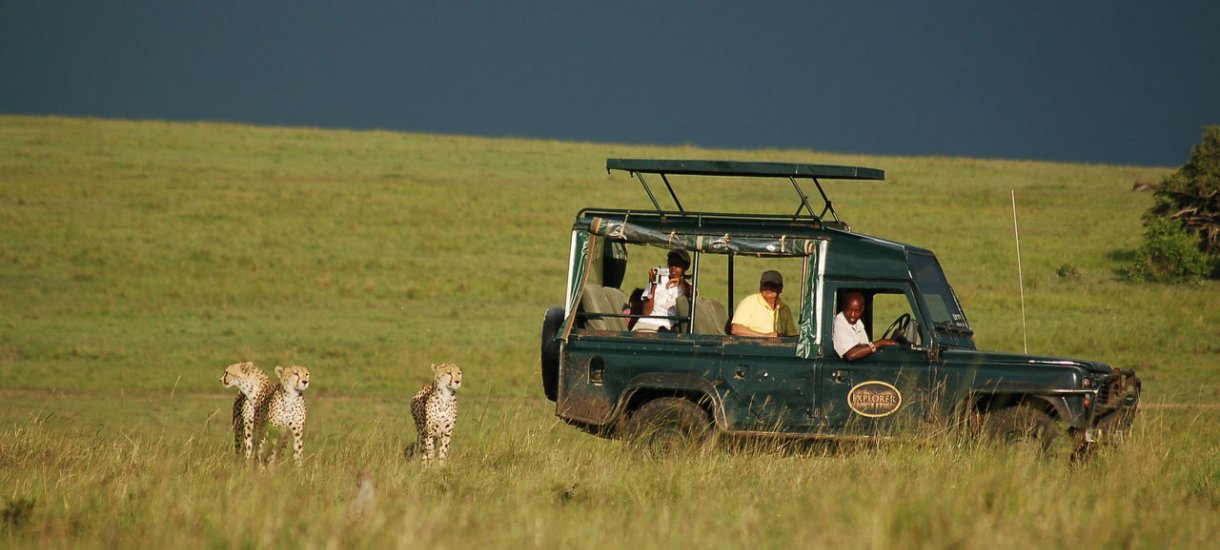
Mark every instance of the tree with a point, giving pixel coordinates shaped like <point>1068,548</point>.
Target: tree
<point>1192,194</point>
<point>1187,206</point>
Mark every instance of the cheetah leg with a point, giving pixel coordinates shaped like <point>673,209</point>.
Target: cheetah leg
<point>443,452</point>
<point>248,424</point>
<point>266,450</point>
<point>298,443</point>
<point>238,424</point>
<point>428,450</point>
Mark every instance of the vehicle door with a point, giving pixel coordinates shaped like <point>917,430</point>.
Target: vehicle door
<point>767,379</point>
<point>890,388</point>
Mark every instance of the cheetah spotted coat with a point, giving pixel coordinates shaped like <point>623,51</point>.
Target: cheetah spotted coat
<point>254,390</point>
<point>435,411</point>
<point>286,409</point>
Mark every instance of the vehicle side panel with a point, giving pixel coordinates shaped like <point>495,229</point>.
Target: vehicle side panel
<point>599,366</point>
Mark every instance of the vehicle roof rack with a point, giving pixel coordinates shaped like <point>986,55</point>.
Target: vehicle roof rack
<point>791,171</point>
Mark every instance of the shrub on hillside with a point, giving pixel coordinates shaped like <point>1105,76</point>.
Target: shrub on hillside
<point>1190,199</point>
<point>1170,254</point>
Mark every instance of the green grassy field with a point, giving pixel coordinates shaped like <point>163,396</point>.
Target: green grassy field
<point>140,258</point>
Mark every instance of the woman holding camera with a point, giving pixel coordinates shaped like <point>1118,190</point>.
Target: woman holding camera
<point>662,293</point>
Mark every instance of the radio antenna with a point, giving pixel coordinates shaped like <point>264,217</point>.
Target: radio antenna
<point>1020,280</point>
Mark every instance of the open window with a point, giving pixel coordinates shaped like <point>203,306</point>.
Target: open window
<point>889,312</point>
<point>612,257</point>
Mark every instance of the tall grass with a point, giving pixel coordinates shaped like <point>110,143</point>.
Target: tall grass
<point>139,258</point>
<point>518,480</point>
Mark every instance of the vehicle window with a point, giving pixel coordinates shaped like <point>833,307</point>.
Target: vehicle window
<point>712,282</point>
<point>942,303</point>
<point>886,308</point>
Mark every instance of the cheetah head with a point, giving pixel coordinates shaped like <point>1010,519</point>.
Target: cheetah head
<point>448,375</point>
<point>295,377</point>
<point>236,373</point>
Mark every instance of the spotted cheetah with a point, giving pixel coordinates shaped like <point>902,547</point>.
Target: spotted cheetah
<point>286,411</point>
<point>254,388</point>
<point>435,410</point>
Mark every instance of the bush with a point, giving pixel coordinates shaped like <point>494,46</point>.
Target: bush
<point>1192,193</point>
<point>1069,272</point>
<point>1170,254</point>
<point>1182,235</point>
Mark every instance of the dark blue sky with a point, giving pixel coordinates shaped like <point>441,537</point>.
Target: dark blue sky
<point>1120,82</point>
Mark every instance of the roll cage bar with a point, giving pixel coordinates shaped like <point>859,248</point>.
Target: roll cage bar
<point>791,171</point>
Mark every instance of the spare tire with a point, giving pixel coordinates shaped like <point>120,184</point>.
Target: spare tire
<point>551,323</point>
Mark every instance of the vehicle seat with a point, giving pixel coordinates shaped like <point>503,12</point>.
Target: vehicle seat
<point>600,299</point>
<point>710,317</point>
<point>617,301</point>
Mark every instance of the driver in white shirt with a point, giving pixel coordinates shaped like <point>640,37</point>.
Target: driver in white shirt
<point>851,342</point>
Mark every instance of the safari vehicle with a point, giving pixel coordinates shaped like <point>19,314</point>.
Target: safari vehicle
<point>698,380</point>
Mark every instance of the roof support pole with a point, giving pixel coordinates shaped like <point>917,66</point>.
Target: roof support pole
<point>732,302</point>
<point>829,206</point>
<point>672,194</point>
<point>804,199</point>
<point>651,197</point>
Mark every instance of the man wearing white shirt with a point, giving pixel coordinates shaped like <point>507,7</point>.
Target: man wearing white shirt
<point>850,340</point>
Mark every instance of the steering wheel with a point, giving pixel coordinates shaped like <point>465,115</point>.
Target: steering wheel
<point>898,329</point>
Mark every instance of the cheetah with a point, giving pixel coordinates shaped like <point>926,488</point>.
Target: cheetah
<point>435,410</point>
<point>286,410</point>
<point>254,389</point>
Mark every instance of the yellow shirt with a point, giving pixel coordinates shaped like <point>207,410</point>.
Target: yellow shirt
<point>754,314</point>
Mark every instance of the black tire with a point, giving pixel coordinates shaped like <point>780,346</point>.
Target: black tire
<point>668,425</point>
<point>551,322</point>
<point>1023,424</point>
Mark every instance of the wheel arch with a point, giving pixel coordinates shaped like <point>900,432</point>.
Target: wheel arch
<point>647,387</point>
<point>984,402</point>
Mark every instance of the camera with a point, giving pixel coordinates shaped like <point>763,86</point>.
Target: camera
<point>661,276</point>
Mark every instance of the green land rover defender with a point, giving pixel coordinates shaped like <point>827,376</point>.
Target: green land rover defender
<point>694,379</point>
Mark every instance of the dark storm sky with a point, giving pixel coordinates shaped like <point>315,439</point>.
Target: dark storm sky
<point>1119,82</point>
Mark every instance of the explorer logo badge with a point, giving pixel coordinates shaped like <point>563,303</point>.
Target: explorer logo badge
<point>874,399</point>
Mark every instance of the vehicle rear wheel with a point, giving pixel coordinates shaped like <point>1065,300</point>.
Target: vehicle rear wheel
<point>669,425</point>
<point>552,321</point>
<point>1023,424</point>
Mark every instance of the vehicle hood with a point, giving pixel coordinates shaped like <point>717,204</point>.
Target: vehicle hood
<point>1019,359</point>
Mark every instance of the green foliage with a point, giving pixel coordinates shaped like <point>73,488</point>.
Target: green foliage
<point>1191,195</point>
<point>1069,272</point>
<point>1169,254</point>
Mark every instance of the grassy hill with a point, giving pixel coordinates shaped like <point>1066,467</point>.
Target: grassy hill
<point>158,251</point>
<point>140,258</point>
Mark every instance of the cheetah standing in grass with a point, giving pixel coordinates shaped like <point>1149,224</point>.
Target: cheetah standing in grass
<point>435,411</point>
<point>254,389</point>
<point>286,411</point>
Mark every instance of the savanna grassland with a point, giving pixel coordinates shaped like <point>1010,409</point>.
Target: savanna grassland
<point>137,259</point>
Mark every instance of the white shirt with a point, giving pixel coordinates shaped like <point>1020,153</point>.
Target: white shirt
<point>847,335</point>
<point>664,302</point>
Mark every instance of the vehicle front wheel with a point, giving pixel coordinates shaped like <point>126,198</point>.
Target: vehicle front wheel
<point>1024,424</point>
<point>668,425</point>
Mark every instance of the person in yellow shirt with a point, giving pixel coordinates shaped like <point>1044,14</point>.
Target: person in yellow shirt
<point>764,314</point>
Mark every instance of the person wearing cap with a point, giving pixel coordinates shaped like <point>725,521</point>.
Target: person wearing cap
<point>663,299</point>
<point>764,314</point>
<point>851,342</point>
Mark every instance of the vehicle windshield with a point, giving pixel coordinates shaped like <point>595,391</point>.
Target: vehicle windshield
<point>943,307</point>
